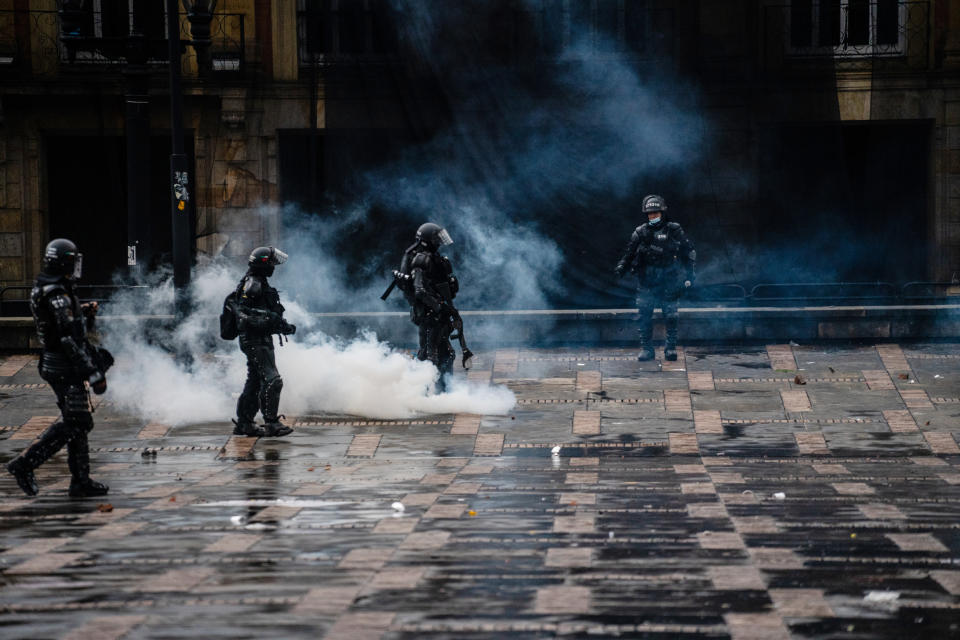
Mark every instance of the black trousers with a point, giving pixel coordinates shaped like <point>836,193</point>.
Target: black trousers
<point>262,388</point>
<point>71,429</point>
<point>435,345</point>
<point>659,287</point>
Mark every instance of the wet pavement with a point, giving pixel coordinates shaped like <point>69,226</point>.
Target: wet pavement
<point>768,491</point>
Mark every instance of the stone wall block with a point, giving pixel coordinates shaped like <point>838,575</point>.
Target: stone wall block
<point>11,220</point>
<point>11,269</point>
<point>953,183</point>
<point>952,113</point>
<point>11,245</point>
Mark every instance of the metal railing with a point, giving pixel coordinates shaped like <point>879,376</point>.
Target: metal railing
<point>849,34</point>
<point>32,43</point>
<point>100,293</point>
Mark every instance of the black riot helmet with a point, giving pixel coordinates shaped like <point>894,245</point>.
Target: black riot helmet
<point>654,204</point>
<point>433,236</point>
<point>61,258</point>
<point>263,259</point>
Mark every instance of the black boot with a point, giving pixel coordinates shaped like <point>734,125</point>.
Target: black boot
<point>24,476</point>
<point>670,348</point>
<point>646,346</point>
<point>247,428</point>
<point>273,428</point>
<point>78,459</point>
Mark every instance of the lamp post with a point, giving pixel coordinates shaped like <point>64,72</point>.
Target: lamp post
<point>200,14</point>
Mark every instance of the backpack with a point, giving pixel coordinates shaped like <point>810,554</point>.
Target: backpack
<point>404,278</point>
<point>228,318</point>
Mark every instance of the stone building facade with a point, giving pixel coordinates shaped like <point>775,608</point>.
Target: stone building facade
<point>297,86</point>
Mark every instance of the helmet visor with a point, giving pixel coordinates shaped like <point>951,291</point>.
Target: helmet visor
<point>444,238</point>
<point>279,257</point>
<point>78,267</point>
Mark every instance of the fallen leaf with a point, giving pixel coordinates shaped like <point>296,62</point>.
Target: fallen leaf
<point>309,468</point>
<point>831,369</point>
<point>105,508</point>
<point>573,503</point>
<point>471,513</point>
<point>173,498</point>
<point>903,376</point>
<point>798,379</point>
<point>927,424</point>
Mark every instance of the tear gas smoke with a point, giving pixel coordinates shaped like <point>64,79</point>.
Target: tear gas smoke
<point>363,377</point>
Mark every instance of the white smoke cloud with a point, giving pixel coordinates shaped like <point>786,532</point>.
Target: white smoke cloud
<point>362,377</point>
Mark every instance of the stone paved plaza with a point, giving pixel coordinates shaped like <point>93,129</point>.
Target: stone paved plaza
<point>764,491</point>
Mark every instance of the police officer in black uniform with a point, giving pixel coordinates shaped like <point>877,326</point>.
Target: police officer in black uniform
<point>259,316</point>
<point>68,364</point>
<point>664,259</point>
<point>433,288</point>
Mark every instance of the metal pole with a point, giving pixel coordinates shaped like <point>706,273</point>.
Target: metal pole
<point>138,167</point>
<point>180,183</point>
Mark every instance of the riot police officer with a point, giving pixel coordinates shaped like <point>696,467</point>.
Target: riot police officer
<point>431,289</point>
<point>259,317</point>
<point>664,259</point>
<point>68,364</point>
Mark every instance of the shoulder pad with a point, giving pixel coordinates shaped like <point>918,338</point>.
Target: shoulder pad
<point>673,226</point>
<point>642,230</point>
<point>253,287</point>
<point>421,261</point>
<point>50,289</point>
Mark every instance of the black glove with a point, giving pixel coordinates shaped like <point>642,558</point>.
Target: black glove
<point>620,270</point>
<point>288,329</point>
<point>98,382</point>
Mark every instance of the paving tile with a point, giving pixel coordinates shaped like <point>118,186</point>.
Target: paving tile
<point>917,542</point>
<point>811,444</point>
<point>153,430</point>
<point>465,424</point>
<point>363,446</point>
<point>44,563</point>
<point>716,461</point>
<point>684,443</point>
<point>476,469</point>
<point>115,530</point>
<point>795,400</point>
<point>569,557</point>
<point>439,478</point>
<point>106,628</point>
<point>929,461</point>
<point>577,523</point>
<point>396,525</point>
<point>776,558</point>
<point>175,580</point>
<point>707,510</point>
<point>37,546</point>
<point>941,442</point>
<point>505,361</point>
<point>445,511</point>
<point>373,558</point>
<point>276,513</point>
<point>830,469</point>
<point>329,601</point>
<point>853,488</point>
<point>582,477</point>
<point>700,380</point>
<point>726,478</point>
<point>562,600</point>
<point>756,626</point>
<point>586,422</point>
<point>175,501</point>
<point>720,540</point>
<point>755,524</point>
<point>683,469</point>
<point>781,357</point>
<point>707,422</point>
<point>677,400</point>
<point>12,365</point>
<point>488,444</point>
<point>916,399</point>
<point>736,578</point>
<point>586,461</point>
<point>900,421</point>
<point>878,379</point>
<point>33,427</point>
<point>479,377</point>
<point>950,478</point>
<point>311,489</point>
<point>577,498</point>
<point>879,511</point>
<point>233,543</point>
<point>801,603</point>
<point>589,381</point>
<point>419,499</point>
<point>698,488</point>
<point>949,580</point>
<point>396,578</point>
<point>892,357</point>
<point>425,540</point>
<point>368,625</point>
<point>238,448</point>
